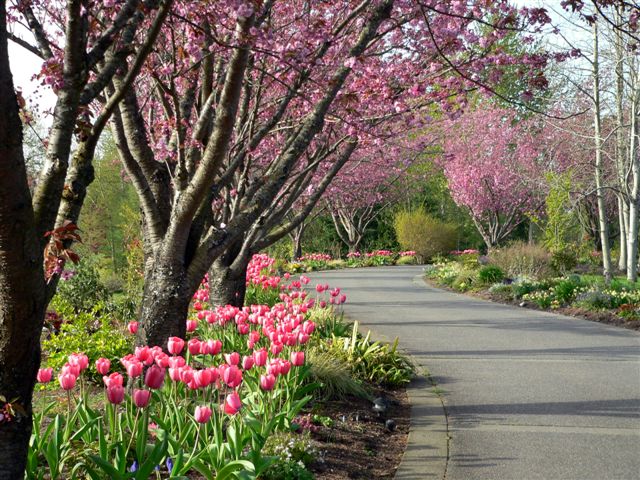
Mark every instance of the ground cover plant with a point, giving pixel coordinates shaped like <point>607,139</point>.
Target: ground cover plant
<point>218,402</point>
<point>527,275</point>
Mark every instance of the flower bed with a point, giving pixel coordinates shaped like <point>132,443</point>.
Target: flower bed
<point>209,405</point>
<point>582,295</point>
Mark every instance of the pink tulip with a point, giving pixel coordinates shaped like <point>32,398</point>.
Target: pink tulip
<point>343,298</point>
<point>323,304</point>
<point>285,366</point>
<point>72,369</point>
<point>297,358</point>
<point>162,360</point>
<point>177,362</point>
<point>267,381</point>
<point>303,338</point>
<point>260,357</point>
<point>115,394</point>
<point>232,358</point>
<point>319,288</point>
<point>202,378</point>
<point>192,325</point>
<point>211,347</point>
<point>174,374</point>
<point>141,397</point>
<point>79,359</point>
<point>45,375</point>
<point>144,354</point>
<point>202,414</point>
<point>247,362</point>
<point>132,327</point>
<point>175,345</point>
<point>194,346</point>
<point>67,381</point>
<point>232,404</point>
<point>102,366</point>
<point>113,379</point>
<point>154,378</point>
<point>232,376</point>
<point>134,369</point>
<point>276,348</point>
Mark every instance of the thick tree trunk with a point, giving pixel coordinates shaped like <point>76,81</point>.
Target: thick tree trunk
<point>165,304</point>
<point>22,286</point>
<point>228,280</point>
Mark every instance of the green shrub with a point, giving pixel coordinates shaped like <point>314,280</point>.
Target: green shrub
<point>490,274</point>
<point>426,235</point>
<point>521,259</point>
<point>83,290</point>
<point>563,261</point>
<point>566,289</point>
<point>85,332</point>
<point>407,260</point>
<point>465,280</point>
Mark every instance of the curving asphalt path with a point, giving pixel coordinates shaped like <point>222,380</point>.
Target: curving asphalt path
<point>523,395</point>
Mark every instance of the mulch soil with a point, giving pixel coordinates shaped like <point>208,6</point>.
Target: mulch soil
<point>359,444</point>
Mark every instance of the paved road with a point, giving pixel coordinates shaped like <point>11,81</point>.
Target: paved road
<point>528,395</point>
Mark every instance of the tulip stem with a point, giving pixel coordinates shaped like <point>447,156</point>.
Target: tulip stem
<point>135,427</point>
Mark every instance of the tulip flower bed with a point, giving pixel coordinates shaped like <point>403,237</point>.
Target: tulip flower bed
<point>322,261</point>
<point>211,406</point>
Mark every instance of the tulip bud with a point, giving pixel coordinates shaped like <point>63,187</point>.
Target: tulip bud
<point>102,366</point>
<point>175,345</point>
<point>202,414</point>
<point>134,369</point>
<point>141,397</point>
<point>45,375</point>
<point>267,382</point>
<point>154,378</point>
<point>260,357</point>
<point>247,362</point>
<point>297,358</point>
<point>194,346</point>
<point>113,379</point>
<point>192,325</point>
<point>132,327</point>
<point>232,404</point>
<point>67,381</point>
<point>115,394</point>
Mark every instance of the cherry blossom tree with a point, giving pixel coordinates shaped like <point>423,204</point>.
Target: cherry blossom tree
<point>494,166</point>
<point>82,46</point>
<point>250,102</point>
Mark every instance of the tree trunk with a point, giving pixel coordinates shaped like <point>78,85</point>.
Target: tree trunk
<point>165,304</point>
<point>623,215</point>
<point>603,225</point>
<point>22,286</point>
<point>634,200</point>
<point>296,236</point>
<point>228,280</point>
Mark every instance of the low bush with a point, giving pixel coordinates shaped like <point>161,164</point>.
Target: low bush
<point>521,259</point>
<point>81,288</point>
<point>424,234</point>
<point>563,261</point>
<point>406,260</point>
<point>594,300</point>
<point>333,373</point>
<point>490,274</point>
<point>465,280</point>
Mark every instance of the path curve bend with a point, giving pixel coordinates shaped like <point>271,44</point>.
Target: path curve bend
<point>528,395</point>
